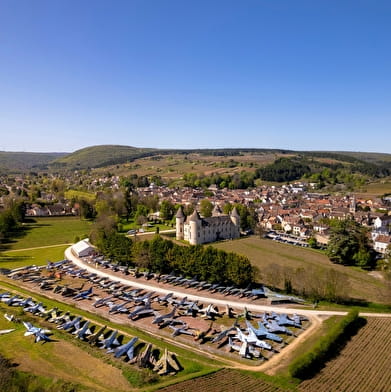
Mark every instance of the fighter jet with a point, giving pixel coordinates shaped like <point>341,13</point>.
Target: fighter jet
<point>4,297</point>
<point>141,311</point>
<point>160,318</point>
<point>38,308</point>
<point>224,333</point>
<point>93,339</point>
<point>110,341</point>
<point>119,308</point>
<point>143,298</point>
<point>83,295</point>
<point>210,312</point>
<point>243,349</point>
<point>252,339</point>
<point>61,319</point>
<point>273,327</point>
<point>204,335</point>
<point>262,332</point>
<point>39,333</point>
<point>164,299</point>
<point>167,364</point>
<point>102,301</point>
<point>83,331</point>
<point>5,331</point>
<point>284,320</point>
<point>127,348</point>
<point>72,324</point>
<point>181,330</point>
<point>11,318</point>
<point>144,358</point>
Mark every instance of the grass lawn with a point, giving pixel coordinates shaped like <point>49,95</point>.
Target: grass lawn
<point>263,252</point>
<point>132,225</point>
<point>19,258</point>
<point>194,365</point>
<point>49,231</point>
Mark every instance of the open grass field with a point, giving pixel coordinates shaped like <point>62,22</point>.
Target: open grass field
<point>50,231</point>
<point>194,365</point>
<point>38,256</point>
<point>60,360</point>
<point>263,253</point>
<point>363,365</point>
<point>375,189</point>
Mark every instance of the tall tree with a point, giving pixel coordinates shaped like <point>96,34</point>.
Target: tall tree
<point>349,244</point>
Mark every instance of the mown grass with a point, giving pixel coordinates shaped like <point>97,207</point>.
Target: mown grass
<point>40,256</point>
<point>61,362</point>
<point>263,252</point>
<point>49,231</point>
<point>193,364</point>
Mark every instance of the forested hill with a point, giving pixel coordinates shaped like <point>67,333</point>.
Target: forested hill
<point>202,161</point>
<point>23,161</point>
<point>100,156</point>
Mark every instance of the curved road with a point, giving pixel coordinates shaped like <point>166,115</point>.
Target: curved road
<point>235,304</point>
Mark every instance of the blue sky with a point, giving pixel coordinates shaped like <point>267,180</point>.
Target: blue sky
<point>309,75</point>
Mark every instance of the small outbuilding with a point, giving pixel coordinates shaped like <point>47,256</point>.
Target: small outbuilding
<point>83,248</point>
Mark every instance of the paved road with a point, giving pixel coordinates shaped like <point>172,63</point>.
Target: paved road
<point>209,299</point>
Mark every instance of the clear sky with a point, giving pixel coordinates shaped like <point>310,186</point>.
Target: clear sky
<point>310,75</point>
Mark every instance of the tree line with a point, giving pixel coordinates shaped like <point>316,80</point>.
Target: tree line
<point>164,256</point>
<point>11,218</point>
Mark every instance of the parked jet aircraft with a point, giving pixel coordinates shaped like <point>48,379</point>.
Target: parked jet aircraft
<point>166,364</point>
<point>119,308</point>
<point>83,331</point>
<point>273,327</point>
<point>93,339</point>
<point>39,333</point>
<point>75,324</point>
<point>210,312</point>
<point>164,299</point>
<point>160,318</point>
<point>251,338</point>
<point>141,311</point>
<point>261,331</point>
<point>84,294</point>
<point>284,320</point>
<point>110,341</point>
<point>37,308</point>
<point>127,348</point>
<point>102,301</point>
<point>5,331</point>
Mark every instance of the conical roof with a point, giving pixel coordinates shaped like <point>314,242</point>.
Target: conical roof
<point>235,213</point>
<point>194,217</point>
<point>179,213</point>
<point>216,210</point>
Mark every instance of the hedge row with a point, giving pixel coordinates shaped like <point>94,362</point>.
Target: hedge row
<point>308,364</point>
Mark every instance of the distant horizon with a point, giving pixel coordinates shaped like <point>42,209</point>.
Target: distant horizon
<point>300,75</point>
<point>194,148</point>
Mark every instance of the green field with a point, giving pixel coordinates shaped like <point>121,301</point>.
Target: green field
<point>39,256</point>
<point>76,362</point>
<point>41,240</point>
<point>262,253</point>
<point>50,231</point>
<point>132,225</point>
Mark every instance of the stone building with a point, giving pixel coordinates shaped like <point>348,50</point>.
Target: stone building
<point>198,230</point>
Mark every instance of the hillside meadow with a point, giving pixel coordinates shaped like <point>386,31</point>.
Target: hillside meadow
<point>264,254</point>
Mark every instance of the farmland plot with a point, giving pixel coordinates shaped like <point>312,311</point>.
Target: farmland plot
<point>223,381</point>
<point>363,365</point>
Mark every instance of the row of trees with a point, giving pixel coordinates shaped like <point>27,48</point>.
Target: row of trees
<point>163,256</point>
<point>10,218</point>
